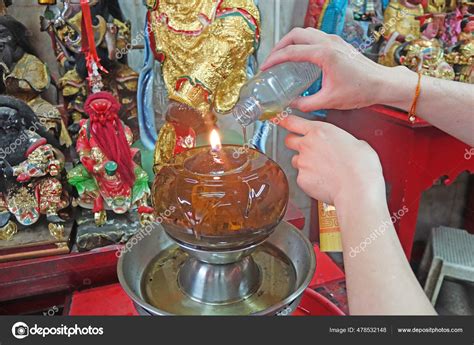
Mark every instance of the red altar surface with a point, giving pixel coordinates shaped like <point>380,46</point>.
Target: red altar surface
<point>32,285</point>
<point>413,157</point>
<point>111,300</point>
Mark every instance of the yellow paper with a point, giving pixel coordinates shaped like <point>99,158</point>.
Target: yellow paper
<point>329,231</point>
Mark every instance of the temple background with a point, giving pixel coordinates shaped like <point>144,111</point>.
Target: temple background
<point>439,205</point>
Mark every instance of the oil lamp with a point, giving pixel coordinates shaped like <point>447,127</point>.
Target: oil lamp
<point>224,251</point>
<point>223,200</point>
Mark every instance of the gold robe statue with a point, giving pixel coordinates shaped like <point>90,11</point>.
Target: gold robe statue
<point>400,25</point>
<point>204,46</point>
<point>400,16</point>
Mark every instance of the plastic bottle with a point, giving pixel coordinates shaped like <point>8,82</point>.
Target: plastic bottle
<point>271,91</point>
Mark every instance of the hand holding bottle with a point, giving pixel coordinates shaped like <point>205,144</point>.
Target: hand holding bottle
<point>350,80</point>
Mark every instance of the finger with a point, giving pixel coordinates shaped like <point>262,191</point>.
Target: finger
<point>296,53</point>
<point>296,124</point>
<point>320,100</point>
<point>299,36</point>
<point>294,161</point>
<point>293,141</point>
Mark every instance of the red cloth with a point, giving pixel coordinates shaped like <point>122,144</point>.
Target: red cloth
<point>109,300</point>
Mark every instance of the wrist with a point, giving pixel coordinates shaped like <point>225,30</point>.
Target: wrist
<point>396,87</point>
<point>361,198</point>
<point>368,195</point>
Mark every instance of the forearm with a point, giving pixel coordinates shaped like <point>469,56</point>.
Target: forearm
<point>379,278</point>
<point>445,104</point>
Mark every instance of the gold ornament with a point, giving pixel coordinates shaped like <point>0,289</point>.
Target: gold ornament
<point>22,199</point>
<point>57,231</point>
<point>436,6</point>
<point>100,218</point>
<point>146,219</point>
<point>205,45</point>
<point>400,17</point>
<point>8,231</point>
<point>164,152</point>
<point>427,56</point>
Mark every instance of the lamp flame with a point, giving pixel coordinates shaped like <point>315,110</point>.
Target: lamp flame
<point>215,141</point>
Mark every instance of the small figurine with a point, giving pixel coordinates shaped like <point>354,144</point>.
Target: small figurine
<point>426,56</point>
<point>461,56</point>
<point>401,18</point>
<point>107,177</point>
<point>364,10</point>
<point>26,77</point>
<point>111,37</point>
<point>401,24</point>
<point>31,168</point>
<point>452,28</point>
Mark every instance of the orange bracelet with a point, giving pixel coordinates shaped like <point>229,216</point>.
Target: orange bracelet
<point>412,112</point>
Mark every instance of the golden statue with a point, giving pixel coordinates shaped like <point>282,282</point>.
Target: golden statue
<point>426,56</point>
<point>436,6</point>
<point>401,24</point>
<point>401,17</point>
<point>461,56</point>
<point>203,47</point>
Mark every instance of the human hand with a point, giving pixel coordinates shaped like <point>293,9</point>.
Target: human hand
<point>350,80</point>
<point>332,164</point>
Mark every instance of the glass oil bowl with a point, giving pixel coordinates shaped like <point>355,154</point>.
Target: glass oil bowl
<point>223,199</point>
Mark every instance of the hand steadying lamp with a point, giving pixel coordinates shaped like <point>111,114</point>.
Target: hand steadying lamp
<point>225,252</point>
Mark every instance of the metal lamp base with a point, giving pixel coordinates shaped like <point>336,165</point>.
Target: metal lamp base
<point>219,283</point>
<point>163,277</point>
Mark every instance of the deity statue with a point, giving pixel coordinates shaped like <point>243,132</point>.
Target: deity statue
<point>401,17</point>
<point>461,56</point>
<point>112,37</point>
<point>401,24</point>
<point>31,168</point>
<point>26,77</point>
<point>203,47</point>
<point>425,56</point>
<point>108,178</point>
